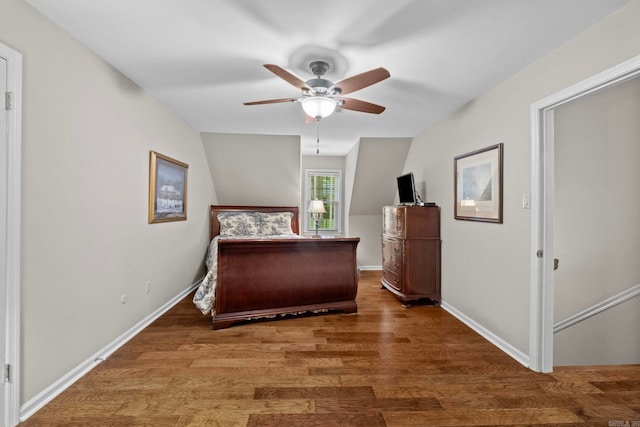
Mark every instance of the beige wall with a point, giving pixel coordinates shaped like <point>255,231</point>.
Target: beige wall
<point>259,170</point>
<point>609,338</point>
<point>369,229</point>
<point>380,161</point>
<point>597,224</point>
<point>86,136</point>
<point>485,267</point>
<point>350,169</point>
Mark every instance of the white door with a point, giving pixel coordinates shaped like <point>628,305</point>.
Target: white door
<point>3,226</point>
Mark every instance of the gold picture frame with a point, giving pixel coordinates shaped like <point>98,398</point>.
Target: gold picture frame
<point>167,189</point>
<point>478,185</point>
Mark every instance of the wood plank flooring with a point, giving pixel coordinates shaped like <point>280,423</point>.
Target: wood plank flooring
<point>385,366</point>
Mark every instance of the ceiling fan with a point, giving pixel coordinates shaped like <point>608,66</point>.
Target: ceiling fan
<point>321,97</point>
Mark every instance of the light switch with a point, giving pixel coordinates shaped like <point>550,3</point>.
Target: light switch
<point>526,201</point>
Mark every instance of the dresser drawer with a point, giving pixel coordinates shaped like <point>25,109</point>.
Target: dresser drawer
<point>392,279</point>
<point>411,222</point>
<point>392,221</point>
<point>392,254</point>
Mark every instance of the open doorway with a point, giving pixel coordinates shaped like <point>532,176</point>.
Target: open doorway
<point>597,227</point>
<point>543,200</point>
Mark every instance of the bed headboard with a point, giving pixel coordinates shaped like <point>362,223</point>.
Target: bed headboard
<point>214,228</point>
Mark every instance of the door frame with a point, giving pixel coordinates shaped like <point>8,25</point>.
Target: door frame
<point>14,153</point>
<point>542,202</point>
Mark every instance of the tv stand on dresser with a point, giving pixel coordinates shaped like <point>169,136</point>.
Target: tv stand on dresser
<point>411,252</point>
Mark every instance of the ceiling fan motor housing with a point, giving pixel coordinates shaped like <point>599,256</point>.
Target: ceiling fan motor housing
<point>320,85</point>
<point>319,68</point>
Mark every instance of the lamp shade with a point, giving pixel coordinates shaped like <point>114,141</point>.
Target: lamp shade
<point>316,207</point>
<point>318,106</point>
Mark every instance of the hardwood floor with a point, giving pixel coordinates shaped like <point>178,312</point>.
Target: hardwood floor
<point>385,366</point>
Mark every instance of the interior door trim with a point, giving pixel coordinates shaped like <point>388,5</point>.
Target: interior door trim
<point>12,275</point>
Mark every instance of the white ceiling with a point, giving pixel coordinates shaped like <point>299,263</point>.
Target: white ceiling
<point>203,58</point>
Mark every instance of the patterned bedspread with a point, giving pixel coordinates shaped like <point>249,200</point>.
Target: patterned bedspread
<point>205,297</point>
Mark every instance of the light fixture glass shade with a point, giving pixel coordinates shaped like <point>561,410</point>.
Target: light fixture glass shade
<point>319,106</point>
<point>316,207</point>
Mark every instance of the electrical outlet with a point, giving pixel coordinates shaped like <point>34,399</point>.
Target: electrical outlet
<point>123,298</point>
<point>147,286</point>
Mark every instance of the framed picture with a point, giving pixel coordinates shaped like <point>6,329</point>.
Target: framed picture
<point>167,189</point>
<point>477,185</point>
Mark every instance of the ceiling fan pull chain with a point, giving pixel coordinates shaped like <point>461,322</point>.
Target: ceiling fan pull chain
<point>317,136</point>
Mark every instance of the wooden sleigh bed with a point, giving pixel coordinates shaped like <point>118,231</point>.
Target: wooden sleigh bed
<point>260,277</point>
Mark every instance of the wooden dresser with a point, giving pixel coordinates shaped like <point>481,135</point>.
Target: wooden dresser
<point>411,252</point>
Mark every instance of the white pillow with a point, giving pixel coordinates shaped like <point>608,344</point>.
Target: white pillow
<point>237,224</point>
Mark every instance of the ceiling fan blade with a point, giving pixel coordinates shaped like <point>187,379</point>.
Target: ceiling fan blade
<point>289,78</point>
<point>362,80</point>
<point>308,119</point>
<point>271,101</point>
<point>361,106</point>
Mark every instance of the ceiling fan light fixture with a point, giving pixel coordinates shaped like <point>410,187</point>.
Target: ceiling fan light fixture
<point>319,107</point>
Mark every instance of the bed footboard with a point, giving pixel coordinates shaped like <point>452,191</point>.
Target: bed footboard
<point>267,278</point>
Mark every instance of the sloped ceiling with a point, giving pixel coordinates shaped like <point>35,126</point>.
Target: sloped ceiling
<point>203,58</point>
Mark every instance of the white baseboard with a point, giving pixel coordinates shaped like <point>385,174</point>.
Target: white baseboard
<point>49,393</point>
<point>516,354</point>
<point>369,267</point>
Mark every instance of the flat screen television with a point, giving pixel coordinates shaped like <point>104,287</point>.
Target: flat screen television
<point>407,189</point>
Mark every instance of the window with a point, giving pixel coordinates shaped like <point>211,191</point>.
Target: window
<point>323,184</point>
